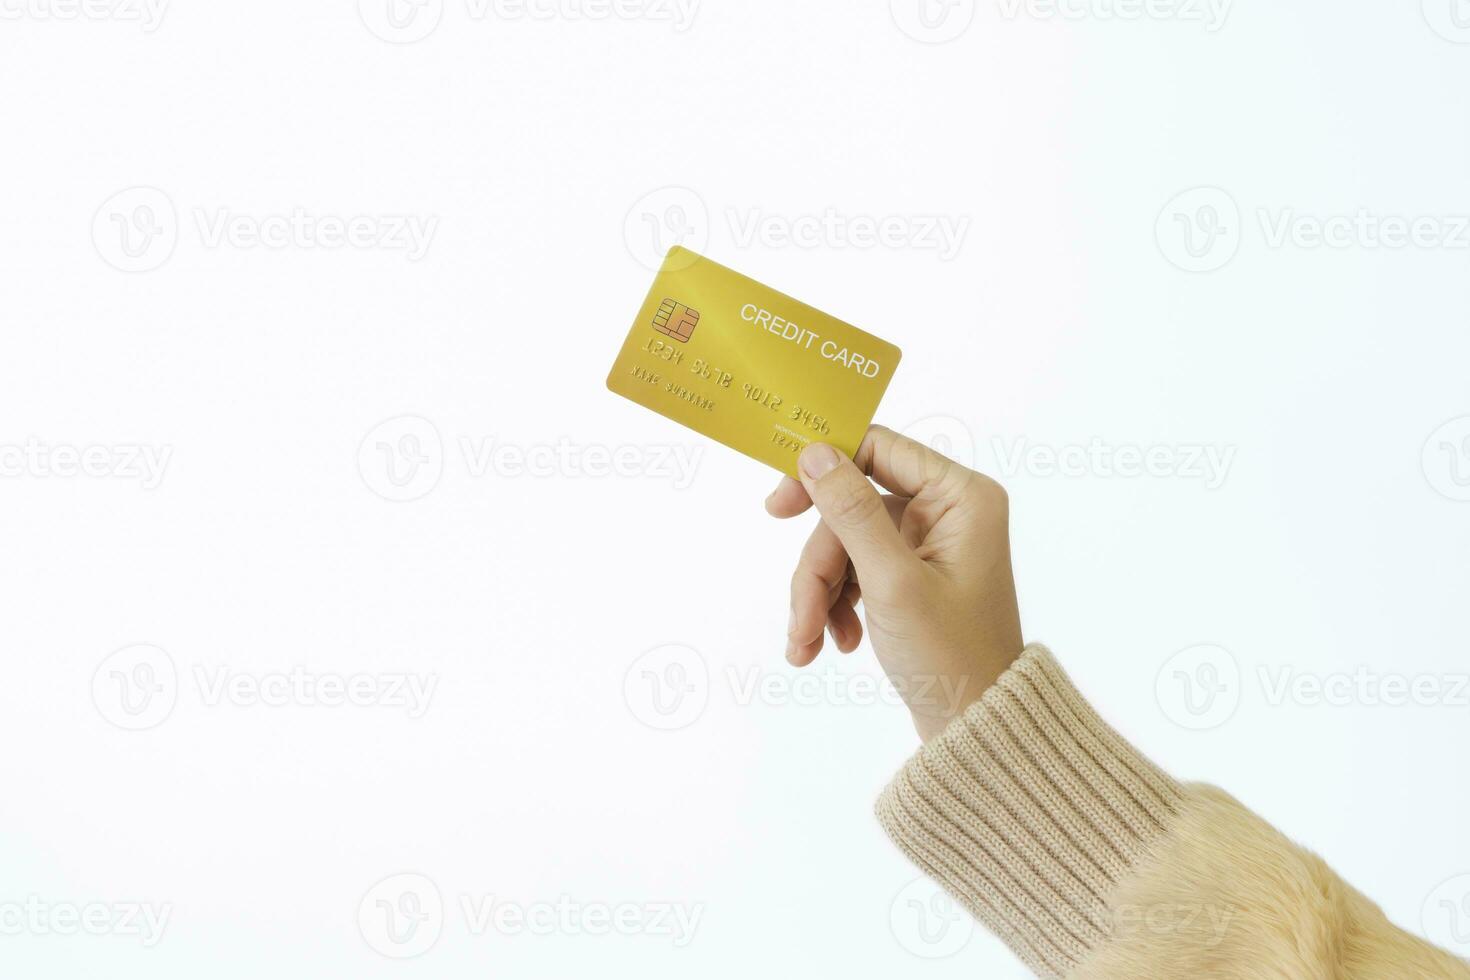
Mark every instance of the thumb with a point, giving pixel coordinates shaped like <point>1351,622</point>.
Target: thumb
<point>850,506</point>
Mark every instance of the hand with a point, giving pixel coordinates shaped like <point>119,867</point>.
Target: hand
<point>930,562</point>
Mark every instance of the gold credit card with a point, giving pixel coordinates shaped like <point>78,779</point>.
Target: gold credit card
<point>748,366</point>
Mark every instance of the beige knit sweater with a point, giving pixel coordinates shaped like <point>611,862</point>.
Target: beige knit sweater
<point>1091,862</point>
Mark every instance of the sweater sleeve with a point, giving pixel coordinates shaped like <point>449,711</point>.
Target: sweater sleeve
<point>1090,862</point>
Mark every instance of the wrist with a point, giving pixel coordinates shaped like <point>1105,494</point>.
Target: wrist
<point>949,696</point>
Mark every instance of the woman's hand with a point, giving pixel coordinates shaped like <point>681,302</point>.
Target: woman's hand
<point>930,561</point>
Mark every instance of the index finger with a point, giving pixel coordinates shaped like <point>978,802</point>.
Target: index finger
<point>788,499</point>
<point>904,466</point>
<point>897,463</point>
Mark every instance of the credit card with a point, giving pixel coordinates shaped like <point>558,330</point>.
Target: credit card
<point>748,366</point>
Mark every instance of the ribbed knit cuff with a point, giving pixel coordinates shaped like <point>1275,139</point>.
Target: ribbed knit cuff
<point>1029,809</point>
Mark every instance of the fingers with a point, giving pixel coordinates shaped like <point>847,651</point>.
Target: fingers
<point>844,625</point>
<point>788,499</point>
<point>851,507</point>
<point>906,467</point>
<point>818,582</point>
<point>898,463</point>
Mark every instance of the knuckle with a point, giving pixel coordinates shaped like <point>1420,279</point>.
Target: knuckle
<point>907,579</point>
<point>854,504</point>
<point>990,493</point>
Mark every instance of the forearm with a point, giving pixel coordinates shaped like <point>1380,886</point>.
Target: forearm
<point>1091,862</point>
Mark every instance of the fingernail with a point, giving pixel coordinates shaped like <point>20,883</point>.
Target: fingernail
<point>817,460</point>
<point>791,622</point>
<point>791,653</point>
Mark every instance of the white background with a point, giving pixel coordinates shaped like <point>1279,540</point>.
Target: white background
<point>544,148</point>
